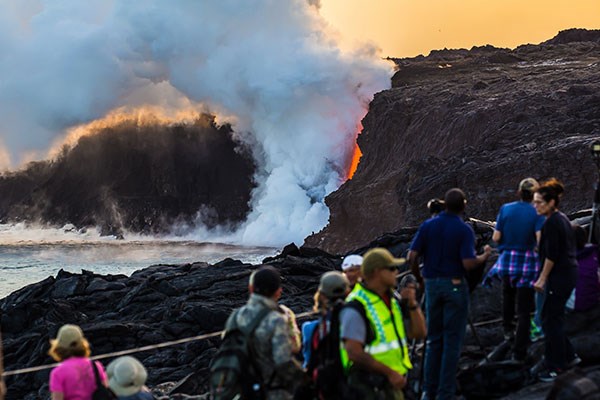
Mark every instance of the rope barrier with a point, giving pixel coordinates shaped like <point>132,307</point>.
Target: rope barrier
<point>176,342</point>
<point>134,350</point>
<point>168,344</point>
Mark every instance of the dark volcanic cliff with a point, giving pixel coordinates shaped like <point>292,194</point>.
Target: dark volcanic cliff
<point>137,177</point>
<point>479,119</point>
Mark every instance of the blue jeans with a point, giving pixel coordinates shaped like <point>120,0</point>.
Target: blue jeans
<point>447,313</point>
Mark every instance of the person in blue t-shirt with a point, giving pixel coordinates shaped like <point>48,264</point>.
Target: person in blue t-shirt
<point>517,233</point>
<point>447,245</point>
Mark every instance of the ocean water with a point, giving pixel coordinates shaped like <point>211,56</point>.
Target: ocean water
<point>31,254</point>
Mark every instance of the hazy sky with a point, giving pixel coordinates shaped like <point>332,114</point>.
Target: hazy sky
<point>405,28</point>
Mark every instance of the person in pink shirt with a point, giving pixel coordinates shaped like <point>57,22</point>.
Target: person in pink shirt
<point>74,378</point>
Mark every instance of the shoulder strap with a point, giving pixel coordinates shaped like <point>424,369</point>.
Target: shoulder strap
<point>358,307</point>
<point>249,329</point>
<point>96,374</point>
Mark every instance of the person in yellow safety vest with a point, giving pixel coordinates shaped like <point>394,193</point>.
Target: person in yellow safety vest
<point>375,352</point>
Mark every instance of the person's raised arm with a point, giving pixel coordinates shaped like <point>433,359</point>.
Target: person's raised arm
<point>497,236</point>
<point>471,263</point>
<point>417,328</point>
<point>413,262</point>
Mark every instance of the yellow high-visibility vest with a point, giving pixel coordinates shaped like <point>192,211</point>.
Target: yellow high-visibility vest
<point>389,346</point>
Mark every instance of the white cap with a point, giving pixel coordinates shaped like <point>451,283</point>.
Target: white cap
<point>351,261</point>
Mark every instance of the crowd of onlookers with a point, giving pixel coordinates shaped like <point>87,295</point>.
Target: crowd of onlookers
<point>358,346</point>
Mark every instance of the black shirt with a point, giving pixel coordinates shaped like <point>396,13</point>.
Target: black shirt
<point>557,244</point>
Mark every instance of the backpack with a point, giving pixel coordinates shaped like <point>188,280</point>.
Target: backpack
<point>233,370</point>
<point>587,290</point>
<point>325,365</point>
<point>101,392</point>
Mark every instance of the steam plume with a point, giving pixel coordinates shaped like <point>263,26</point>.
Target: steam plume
<point>268,67</point>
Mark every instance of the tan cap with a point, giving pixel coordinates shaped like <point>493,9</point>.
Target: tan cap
<point>379,258</point>
<point>69,335</point>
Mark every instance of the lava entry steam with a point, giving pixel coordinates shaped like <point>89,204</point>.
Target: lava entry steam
<point>271,70</point>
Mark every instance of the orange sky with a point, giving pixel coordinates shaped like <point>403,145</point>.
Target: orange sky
<point>405,28</point>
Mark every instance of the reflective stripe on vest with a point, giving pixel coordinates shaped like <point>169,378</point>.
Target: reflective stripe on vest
<point>389,346</point>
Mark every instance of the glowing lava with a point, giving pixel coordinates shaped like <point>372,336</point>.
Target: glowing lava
<point>356,155</point>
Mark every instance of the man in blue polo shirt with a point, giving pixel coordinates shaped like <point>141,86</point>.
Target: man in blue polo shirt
<point>447,245</point>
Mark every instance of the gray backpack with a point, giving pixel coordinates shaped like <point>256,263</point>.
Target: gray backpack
<point>233,370</point>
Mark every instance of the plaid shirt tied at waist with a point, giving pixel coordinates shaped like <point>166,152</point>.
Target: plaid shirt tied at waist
<point>521,267</point>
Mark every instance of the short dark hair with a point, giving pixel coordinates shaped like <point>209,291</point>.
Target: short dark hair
<point>266,281</point>
<point>455,200</point>
<point>526,195</point>
<point>435,206</point>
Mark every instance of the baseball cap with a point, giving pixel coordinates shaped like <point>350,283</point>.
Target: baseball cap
<point>379,258</point>
<point>334,284</point>
<point>351,261</point>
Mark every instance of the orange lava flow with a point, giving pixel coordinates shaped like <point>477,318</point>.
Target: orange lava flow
<point>356,155</point>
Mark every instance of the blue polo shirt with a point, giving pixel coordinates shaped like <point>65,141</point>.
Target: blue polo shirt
<point>444,242</point>
<point>518,222</point>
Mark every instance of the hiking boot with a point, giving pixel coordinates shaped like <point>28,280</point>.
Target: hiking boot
<point>574,362</point>
<point>547,376</point>
<point>535,331</point>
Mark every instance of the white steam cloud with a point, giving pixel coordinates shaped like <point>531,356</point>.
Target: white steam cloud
<point>268,67</point>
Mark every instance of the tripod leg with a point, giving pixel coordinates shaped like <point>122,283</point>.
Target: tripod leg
<point>476,336</point>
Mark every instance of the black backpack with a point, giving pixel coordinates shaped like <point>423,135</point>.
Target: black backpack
<point>233,370</point>
<point>101,392</point>
<point>325,364</point>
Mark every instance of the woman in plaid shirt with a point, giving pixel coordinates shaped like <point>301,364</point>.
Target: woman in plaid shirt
<point>517,233</point>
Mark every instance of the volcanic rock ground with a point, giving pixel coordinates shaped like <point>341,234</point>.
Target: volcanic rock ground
<point>479,119</point>
<point>164,303</point>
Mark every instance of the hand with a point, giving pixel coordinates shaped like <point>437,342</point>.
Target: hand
<point>398,381</point>
<point>409,293</point>
<point>540,284</point>
<point>487,250</point>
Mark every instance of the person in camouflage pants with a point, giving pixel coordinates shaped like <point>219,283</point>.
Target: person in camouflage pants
<point>272,343</point>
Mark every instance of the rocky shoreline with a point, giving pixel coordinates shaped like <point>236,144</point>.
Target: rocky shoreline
<point>169,302</point>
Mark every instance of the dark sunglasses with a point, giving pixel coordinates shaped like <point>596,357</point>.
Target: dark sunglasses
<point>391,268</point>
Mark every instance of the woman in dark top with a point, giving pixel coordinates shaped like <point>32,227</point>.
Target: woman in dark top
<point>558,277</point>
